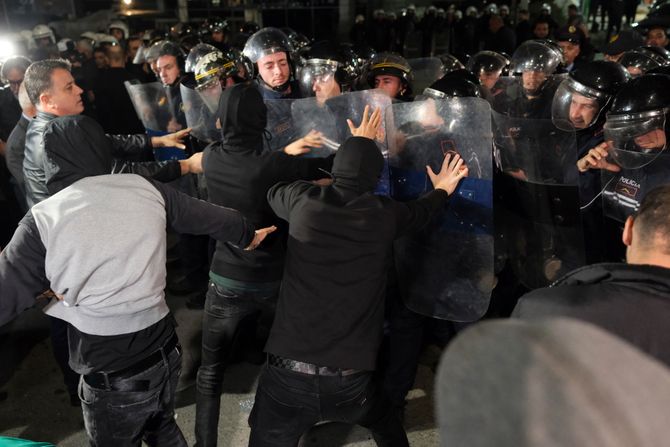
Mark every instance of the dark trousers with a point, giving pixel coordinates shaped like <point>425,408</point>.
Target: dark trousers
<point>225,310</point>
<point>288,403</point>
<point>403,346</point>
<point>126,418</point>
<point>61,352</point>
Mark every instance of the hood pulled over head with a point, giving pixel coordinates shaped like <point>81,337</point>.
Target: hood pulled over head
<point>243,117</point>
<point>357,165</point>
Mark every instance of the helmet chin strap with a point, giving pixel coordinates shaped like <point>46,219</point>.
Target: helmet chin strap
<point>280,88</point>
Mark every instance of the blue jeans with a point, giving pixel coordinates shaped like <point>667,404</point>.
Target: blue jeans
<point>288,403</point>
<point>224,310</point>
<point>126,418</point>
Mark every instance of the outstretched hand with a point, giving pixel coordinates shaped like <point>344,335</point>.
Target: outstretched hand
<point>305,144</point>
<point>369,126</point>
<point>453,170</point>
<point>171,140</point>
<point>596,158</point>
<point>192,165</point>
<point>259,236</point>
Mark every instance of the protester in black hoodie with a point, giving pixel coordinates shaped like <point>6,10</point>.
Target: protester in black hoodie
<point>328,327</point>
<point>239,174</point>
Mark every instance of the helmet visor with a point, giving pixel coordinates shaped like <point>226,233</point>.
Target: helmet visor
<point>534,56</point>
<point>310,75</point>
<point>576,106</point>
<point>210,94</point>
<point>636,139</point>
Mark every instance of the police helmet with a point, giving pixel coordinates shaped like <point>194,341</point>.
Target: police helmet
<point>536,55</point>
<point>42,32</point>
<point>325,60</point>
<point>453,85</point>
<point>586,93</point>
<point>212,67</point>
<point>267,41</point>
<point>637,123</point>
<point>118,24</point>
<point>195,54</point>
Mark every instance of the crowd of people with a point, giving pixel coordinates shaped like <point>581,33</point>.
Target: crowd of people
<point>348,201</point>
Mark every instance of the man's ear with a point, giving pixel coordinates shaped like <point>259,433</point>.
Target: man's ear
<point>44,100</point>
<point>627,235</point>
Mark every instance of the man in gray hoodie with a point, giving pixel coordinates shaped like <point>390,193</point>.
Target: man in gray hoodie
<point>97,246</point>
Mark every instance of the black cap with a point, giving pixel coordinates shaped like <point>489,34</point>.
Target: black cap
<point>569,34</point>
<point>622,42</point>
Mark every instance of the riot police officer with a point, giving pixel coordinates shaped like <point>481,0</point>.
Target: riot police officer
<point>218,32</point>
<point>580,104</point>
<point>170,66</point>
<point>634,150</point>
<point>530,96</point>
<point>582,99</point>
<point>328,70</point>
<point>270,52</point>
<point>488,66</point>
<point>425,138</point>
<point>391,73</point>
<point>642,59</point>
<point>119,30</point>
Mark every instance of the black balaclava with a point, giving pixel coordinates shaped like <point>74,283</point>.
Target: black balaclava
<point>243,117</point>
<point>357,166</point>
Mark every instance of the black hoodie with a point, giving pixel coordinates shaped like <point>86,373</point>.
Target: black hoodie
<point>239,174</point>
<point>331,305</point>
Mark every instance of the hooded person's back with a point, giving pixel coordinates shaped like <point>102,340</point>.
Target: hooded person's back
<point>331,305</point>
<point>239,174</point>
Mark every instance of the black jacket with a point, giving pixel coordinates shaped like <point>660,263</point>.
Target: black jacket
<point>55,134</point>
<point>16,145</point>
<point>239,174</point>
<point>331,304</point>
<point>630,301</point>
<point>10,112</point>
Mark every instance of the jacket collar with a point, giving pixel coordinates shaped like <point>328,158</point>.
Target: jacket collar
<point>650,277</point>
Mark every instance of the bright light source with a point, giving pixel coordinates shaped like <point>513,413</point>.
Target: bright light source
<point>6,49</point>
<point>128,2</point>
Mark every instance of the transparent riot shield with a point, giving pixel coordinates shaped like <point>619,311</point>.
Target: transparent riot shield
<point>624,190</point>
<point>199,117</point>
<point>351,106</point>
<point>425,71</point>
<point>309,115</point>
<point>153,108</point>
<point>539,198</point>
<point>151,104</point>
<point>280,126</point>
<point>445,270</point>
